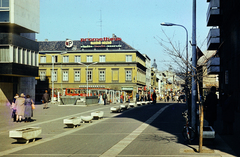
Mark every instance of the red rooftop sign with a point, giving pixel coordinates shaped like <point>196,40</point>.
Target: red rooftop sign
<point>101,39</point>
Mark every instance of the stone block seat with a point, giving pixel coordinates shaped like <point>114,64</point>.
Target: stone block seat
<point>25,134</point>
<point>87,119</point>
<point>72,122</point>
<point>97,114</point>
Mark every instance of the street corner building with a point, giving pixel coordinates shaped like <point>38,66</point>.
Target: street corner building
<point>19,21</point>
<point>106,62</point>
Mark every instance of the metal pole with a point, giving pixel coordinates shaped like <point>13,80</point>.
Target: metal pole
<point>194,63</point>
<point>52,77</point>
<point>87,80</point>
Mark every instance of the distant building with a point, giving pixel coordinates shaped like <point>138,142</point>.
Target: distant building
<point>105,62</point>
<point>148,72</point>
<point>19,21</point>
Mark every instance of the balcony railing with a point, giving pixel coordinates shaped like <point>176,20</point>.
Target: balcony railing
<point>213,39</point>
<point>213,13</point>
<point>213,65</point>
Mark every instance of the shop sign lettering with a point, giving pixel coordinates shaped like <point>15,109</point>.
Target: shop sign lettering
<point>100,39</point>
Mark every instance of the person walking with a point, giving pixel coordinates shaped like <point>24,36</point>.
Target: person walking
<point>13,107</point>
<point>154,96</point>
<point>228,117</point>
<point>137,97</point>
<point>28,108</point>
<point>104,98</point>
<point>20,107</point>
<point>121,98</point>
<point>45,99</point>
<point>210,106</point>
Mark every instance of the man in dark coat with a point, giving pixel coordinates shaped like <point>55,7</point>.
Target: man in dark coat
<point>228,117</point>
<point>154,97</point>
<point>210,107</point>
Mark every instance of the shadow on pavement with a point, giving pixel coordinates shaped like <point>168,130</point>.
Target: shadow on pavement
<point>170,121</point>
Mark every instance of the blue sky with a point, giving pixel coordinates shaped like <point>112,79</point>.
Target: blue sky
<point>137,22</point>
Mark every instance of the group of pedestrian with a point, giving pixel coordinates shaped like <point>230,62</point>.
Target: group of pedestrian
<point>22,108</point>
<point>228,109</point>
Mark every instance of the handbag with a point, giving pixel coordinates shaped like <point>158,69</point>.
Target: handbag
<point>33,106</point>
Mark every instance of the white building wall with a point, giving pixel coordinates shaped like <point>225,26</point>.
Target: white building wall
<point>26,13</point>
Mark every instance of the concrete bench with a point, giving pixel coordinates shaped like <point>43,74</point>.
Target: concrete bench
<point>72,122</point>
<point>25,134</point>
<point>115,109</point>
<point>97,114</point>
<point>87,119</point>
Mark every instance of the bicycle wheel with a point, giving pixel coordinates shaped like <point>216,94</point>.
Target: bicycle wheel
<point>191,136</point>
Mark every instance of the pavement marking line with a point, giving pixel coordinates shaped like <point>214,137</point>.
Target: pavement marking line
<point>117,148</point>
<point>6,152</point>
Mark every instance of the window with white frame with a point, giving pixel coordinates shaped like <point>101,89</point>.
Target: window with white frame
<point>42,75</point>
<point>77,59</point>
<point>65,59</point>
<point>128,58</point>
<point>42,59</point>
<point>102,58</point>
<point>54,76</point>
<point>4,54</point>
<point>77,75</point>
<point>89,75</point>
<point>89,58</point>
<point>4,13</point>
<point>65,75</point>
<point>101,75</point>
<point>128,75</point>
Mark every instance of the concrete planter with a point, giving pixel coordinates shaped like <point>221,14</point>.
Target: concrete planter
<point>72,122</point>
<point>115,109</point>
<point>208,132</point>
<point>25,134</point>
<point>87,119</point>
<point>144,103</point>
<point>132,104</point>
<point>124,106</point>
<point>139,103</point>
<point>97,114</point>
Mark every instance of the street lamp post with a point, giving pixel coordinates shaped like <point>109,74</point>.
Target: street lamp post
<point>186,81</point>
<point>62,53</point>
<point>87,72</point>
<point>53,56</point>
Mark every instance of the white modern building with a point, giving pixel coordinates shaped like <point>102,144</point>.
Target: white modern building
<point>19,22</point>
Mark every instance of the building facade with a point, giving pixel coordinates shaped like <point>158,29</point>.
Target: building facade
<point>19,21</point>
<point>93,62</point>
<point>148,72</point>
<point>223,17</point>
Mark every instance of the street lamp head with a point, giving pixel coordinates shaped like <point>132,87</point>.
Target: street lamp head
<point>64,52</point>
<point>167,24</point>
<point>88,64</point>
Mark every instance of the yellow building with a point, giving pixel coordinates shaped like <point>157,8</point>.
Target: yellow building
<point>106,62</point>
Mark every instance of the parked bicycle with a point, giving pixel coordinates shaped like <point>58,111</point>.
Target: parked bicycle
<point>188,132</point>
